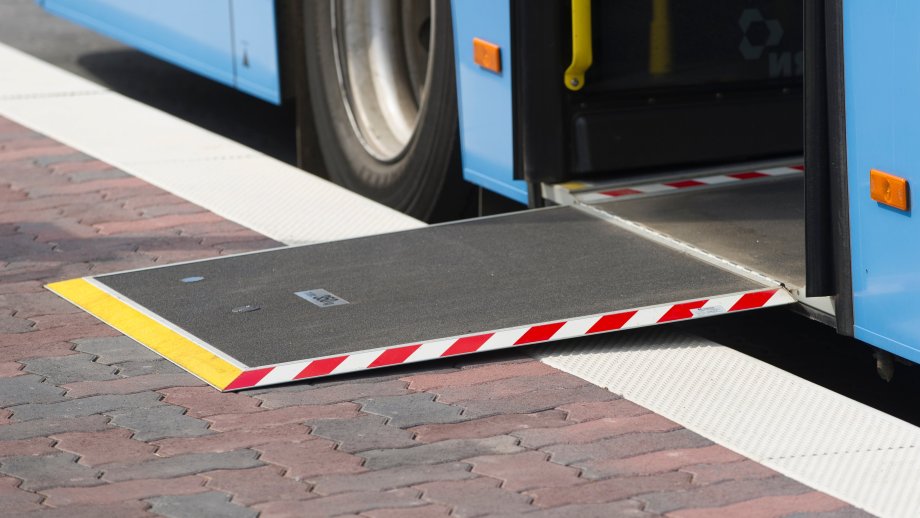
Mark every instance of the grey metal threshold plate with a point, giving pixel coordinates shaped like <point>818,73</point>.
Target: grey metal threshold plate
<point>458,288</point>
<point>759,224</point>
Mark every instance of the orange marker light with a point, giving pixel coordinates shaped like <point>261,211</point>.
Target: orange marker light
<point>889,189</point>
<point>487,55</point>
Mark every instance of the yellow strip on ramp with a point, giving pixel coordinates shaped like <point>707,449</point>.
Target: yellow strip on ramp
<point>166,342</point>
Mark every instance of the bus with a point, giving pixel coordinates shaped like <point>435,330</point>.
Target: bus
<point>685,121</point>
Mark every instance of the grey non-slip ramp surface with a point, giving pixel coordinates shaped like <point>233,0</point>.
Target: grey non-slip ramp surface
<point>434,282</point>
<point>759,224</point>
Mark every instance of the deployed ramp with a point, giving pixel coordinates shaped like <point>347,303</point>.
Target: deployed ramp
<point>302,312</point>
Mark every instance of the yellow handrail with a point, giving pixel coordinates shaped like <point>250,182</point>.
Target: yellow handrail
<point>582,53</point>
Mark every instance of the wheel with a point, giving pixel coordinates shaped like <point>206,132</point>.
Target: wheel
<point>380,75</point>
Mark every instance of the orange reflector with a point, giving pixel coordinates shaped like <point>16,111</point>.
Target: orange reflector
<point>487,55</point>
<point>889,189</point>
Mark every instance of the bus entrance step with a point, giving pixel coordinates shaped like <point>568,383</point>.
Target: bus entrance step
<point>506,281</point>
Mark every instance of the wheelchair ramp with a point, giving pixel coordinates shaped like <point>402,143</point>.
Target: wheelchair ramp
<point>302,312</point>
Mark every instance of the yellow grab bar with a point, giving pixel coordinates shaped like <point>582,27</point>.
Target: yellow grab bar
<point>582,53</point>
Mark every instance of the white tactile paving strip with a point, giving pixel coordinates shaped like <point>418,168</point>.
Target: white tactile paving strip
<point>804,431</point>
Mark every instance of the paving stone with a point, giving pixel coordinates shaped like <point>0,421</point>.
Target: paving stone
<point>722,494</point>
<point>310,459</point>
<point>609,490</point>
<point>100,211</point>
<point>391,478</point>
<point>340,505</point>
<point>15,500</point>
<point>508,387</point>
<point>50,426</point>
<point>211,503</point>
<point>168,221</point>
<point>626,446</point>
<point>121,491</point>
<point>66,155</point>
<point>180,465</point>
<point>252,486</point>
<point>128,184</point>
<point>67,369</point>
<point>41,155</point>
<point>96,448</point>
<point>205,401</point>
<point>333,394</point>
<point>287,415</point>
<point>535,401</point>
<point>173,256</point>
<point>34,446</point>
<point>62,229</point>
<point>27,350</point>
<point>147,368</point>
<point>13,325</point>
<point>475,497</point>
<point>846,512</point>
<point>443,451</point>
<point>38,303</point>
<point>85,406</point>
<point>61,204</point>
<point>525,470</point>
<point>767,507</point>
<point>361,433</point>
<point>704,474</point>
<point>656,462</point>
<point>478,375</point>
<point>235,439</point>
<point>59,334</point>
<point>42,472</point>
<point>428,511</point>
<point>591,410</point>
<point>178,208</point>
<point>128,509</point>
<point>28,388</point>
<point>489,426</point>
<point>88,176</point>
<point>153,198</point>
<point>43,322</point>
<point>411,410</point>
<point>623,508</point>
<point>131,385</point>
<point>591,431</point>
<point>160,422</point>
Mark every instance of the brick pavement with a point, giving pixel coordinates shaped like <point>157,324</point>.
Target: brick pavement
<point>92,423</point>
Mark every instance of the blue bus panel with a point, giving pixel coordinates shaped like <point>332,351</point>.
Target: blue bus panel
<point>230,41</point>
<point>881,44</point>
<point>484,98</point>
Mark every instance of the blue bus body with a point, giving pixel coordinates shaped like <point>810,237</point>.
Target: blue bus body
<point>883,131</point>
<point>233,42</point>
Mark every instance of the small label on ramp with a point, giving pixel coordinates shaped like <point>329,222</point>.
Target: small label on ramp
<point>708,311</point>
<point>321,298</point>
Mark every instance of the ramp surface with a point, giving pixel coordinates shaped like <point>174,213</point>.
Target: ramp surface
<point>300,312</point>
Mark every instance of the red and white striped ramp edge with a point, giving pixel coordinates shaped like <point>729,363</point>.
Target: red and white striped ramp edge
<point>702,181</point>
<point>509,337</point>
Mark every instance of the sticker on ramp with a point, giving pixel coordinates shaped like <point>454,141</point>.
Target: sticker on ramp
<point>321,298</point>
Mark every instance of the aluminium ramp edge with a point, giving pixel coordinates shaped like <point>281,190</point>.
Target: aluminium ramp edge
<point>287,314</point>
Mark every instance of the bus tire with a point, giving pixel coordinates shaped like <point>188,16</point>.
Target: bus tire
<point>386,114</point>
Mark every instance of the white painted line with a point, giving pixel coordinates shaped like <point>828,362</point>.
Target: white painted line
<point>818,437</point>
<point>822,439</point>
<point>230,179</point>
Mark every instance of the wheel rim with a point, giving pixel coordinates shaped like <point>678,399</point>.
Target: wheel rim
<point>382,52</point>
